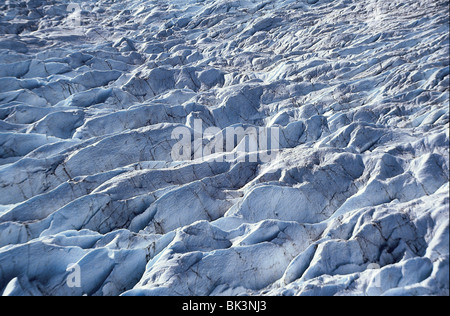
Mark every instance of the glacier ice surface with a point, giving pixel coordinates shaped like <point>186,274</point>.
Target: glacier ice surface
<point>355,203</point>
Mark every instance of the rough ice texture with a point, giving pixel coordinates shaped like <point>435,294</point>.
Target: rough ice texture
<point>355,204</point>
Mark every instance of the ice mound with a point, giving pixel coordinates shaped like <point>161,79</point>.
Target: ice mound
<point>354,203</point>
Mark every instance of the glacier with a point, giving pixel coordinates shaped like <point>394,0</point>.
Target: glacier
<point>355,203</point>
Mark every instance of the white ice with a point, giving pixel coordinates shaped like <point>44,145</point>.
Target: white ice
<point>356,202</point>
